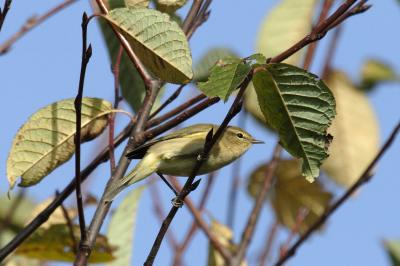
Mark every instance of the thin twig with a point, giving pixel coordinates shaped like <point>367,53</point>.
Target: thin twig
<point>86,54</point>
<point>158,210</point>
<point>301,215</point>
<point>232,198</point>
<point>316,34</point>
<point>70,225</point>
<point>364,178</point>
<point>202,224</point>
<point>4,11</point>
<point>313,46</point>
<point>192,230</point>
<point>331,52</point>
<point>31,23</point>
<point>271,235</point>
<point>168,101</point>
<point>111,117</point>
<point>255,213</point>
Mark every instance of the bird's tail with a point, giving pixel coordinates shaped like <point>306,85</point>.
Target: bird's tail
<point>143,169</point>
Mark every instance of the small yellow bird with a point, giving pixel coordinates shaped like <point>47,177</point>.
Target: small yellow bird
<point>175,154</point>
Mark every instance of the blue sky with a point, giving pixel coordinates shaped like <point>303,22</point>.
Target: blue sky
<point>43,67</point>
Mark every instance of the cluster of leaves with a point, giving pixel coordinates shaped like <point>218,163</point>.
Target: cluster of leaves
<point>288,100</point>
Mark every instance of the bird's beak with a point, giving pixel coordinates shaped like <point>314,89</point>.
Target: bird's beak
<point>255,141</point>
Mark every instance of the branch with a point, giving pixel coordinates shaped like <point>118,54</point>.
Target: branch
<point>4,11</point>
<point>192,230</point>
<point>168,101</point>
<point>364,178</point>
<point>70,225</point>
<point>330,53</point>
<point>319,31</point>
<point>255,213</point>
<point>271,234</point>
<point>31,23</point>
<point>86,54</point>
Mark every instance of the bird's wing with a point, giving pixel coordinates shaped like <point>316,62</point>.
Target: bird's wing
<point>139,152</point>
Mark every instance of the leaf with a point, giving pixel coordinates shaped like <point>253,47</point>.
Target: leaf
<point>132,85</point>
<point>137,3</point>
<point>225,77</point>
<point>122,227</point>
<point>57,217</point>
<point>300,107</point>
<point>375,71</point>
<point>170,6</point>
<point>224,236</point>
<point>292,194</point>
<point>159,42</point>
<point>20,212</point>
<point>55,243</point>
<point>208,60</point>
<point>356,132</point>
<point>46,140</point>
<point>393,250</point>
<point>286,24</point>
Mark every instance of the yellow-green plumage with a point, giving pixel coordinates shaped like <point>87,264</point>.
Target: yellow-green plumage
<point>176,153</point>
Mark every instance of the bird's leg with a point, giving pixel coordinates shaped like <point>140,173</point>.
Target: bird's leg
<point>175,201</point>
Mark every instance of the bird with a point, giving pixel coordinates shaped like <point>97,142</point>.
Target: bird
<point>176,154</point>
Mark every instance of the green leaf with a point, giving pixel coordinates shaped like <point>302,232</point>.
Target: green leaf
<point>55,243</point>
<point>393,249</point>
<point>356,132</point>
<point>132,85</point>
<point>46,140</point>
<point>137,3</point>
<point>122,227</point>
<point>20,214</point>
<point>300,107</point>
<point>374,72</point>
<point>292,194</point>
<point>286,24</point>
<point>208,60</point>
<point>170,6</point>
<point>159,42</point>
<point>225,77</point>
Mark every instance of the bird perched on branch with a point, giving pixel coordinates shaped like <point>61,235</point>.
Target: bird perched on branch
<point>176,154</point>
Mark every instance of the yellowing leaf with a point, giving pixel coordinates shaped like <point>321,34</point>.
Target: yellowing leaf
<point>122,227</point>
<point>208,60</point>
<point>225,77</point>
<point>55,243</point>
<point>374,71</point>
<point>292,194</point>
<point>170,6</point>
<point>159,42</point>
<point>137,3</point>
<point>224,236</point>
<point>20,214</point>
<point>46,140</point>
<point>286,24</point>
<point>393,250</point>
<point>355,131</point>
<point>300,107</point>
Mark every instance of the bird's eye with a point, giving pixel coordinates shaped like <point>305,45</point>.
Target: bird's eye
<point>240,135</point>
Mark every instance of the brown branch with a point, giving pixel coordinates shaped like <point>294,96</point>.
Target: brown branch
<point>271,234</point>
<point>301,215</point>
<point>202,224</point>
<point>317,33</point>
<point>31,23</point>
<point>4,11</point>
<point>192,230</point>
<point>86,54</point>
<point>363,179</point>
<point>147,78</point>
<point>70,225</point>
<point>170,99</point>
<point>255,213</point>
<point>111,117</point>
<point>313,46</point>
<point>158,210</point>
<point>331,52</point>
